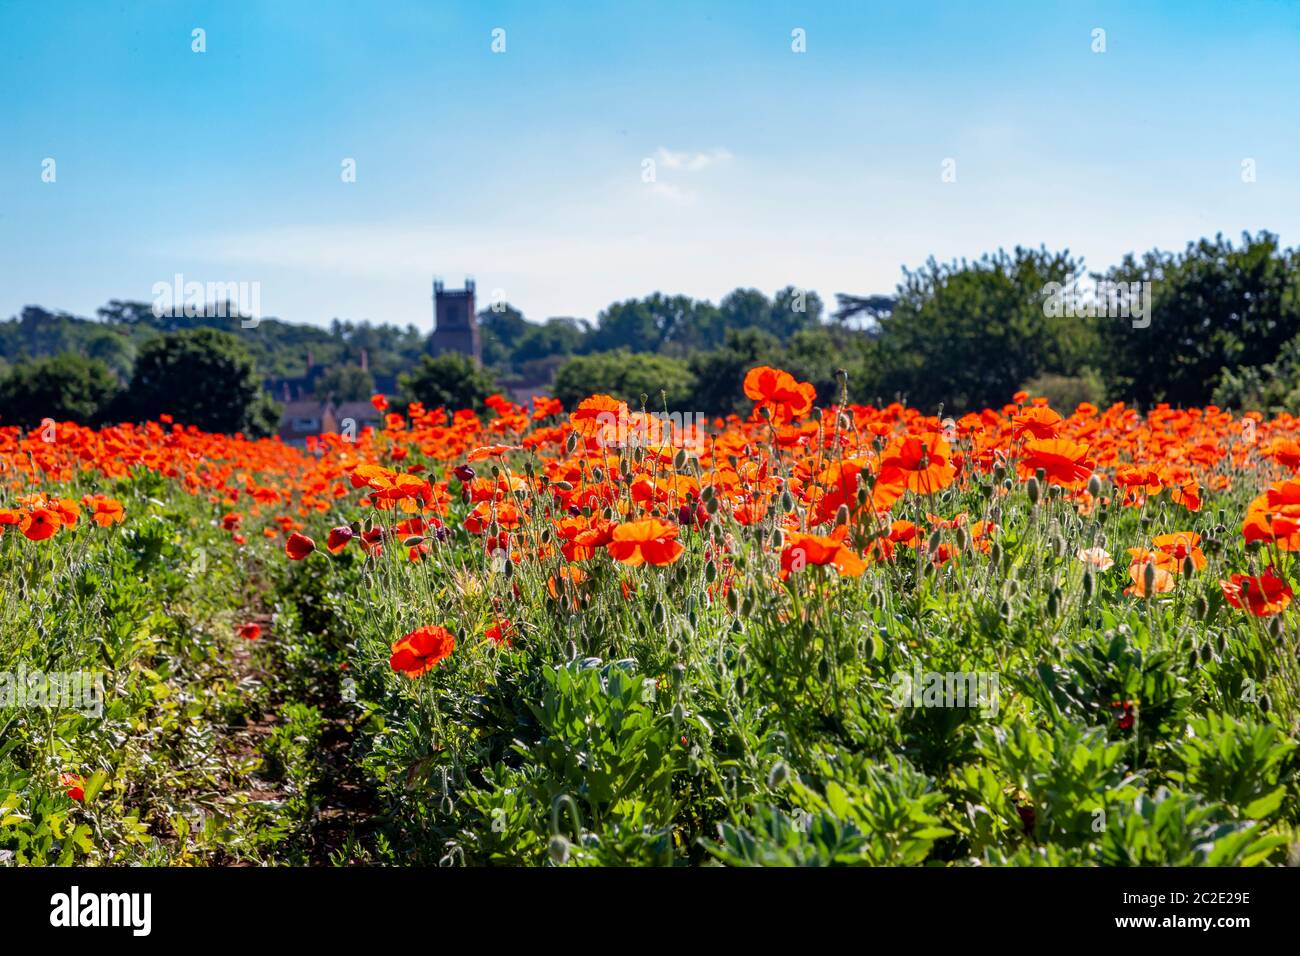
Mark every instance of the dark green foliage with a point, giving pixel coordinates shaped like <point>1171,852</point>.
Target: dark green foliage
<point>452,381</point>
<point>203,378</point>
<point>626,376</point>
<point>345,383</point>
<point>1216,309</point>
<point>66,387</point>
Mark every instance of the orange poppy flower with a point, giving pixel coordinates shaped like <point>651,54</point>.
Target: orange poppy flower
<point>1177,546</point>
<point>1162,581</point>
<point>647,541</point>
<point>802,550</point>
<point>919,462</point>
<point>1065,462</point>
<point>778,390</point>
<point>1039,421</point>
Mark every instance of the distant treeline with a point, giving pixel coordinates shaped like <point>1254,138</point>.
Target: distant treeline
<point>1219,322</point>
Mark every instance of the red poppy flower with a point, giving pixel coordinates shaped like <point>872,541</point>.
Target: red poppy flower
<point>421,650</point>
<point>299,546</point>
<point>1263,595</point>
<point>250,632</point>
<point>41,523</point>
<point>338,539</point>
<point>74,784</point>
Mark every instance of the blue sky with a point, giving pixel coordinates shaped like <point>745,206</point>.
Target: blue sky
<point>524,169</point>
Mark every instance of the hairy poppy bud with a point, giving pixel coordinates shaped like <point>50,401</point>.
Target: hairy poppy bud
<point>1094,486</point>
<point>559,850</point>
<point>777,775</point>
<point>1034,490</point>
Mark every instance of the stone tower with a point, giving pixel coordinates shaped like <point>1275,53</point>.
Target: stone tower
<point>455,327</point>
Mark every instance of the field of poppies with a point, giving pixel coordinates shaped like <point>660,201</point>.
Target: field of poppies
<point>613,636</point>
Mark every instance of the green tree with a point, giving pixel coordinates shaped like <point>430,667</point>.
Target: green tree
<point>626,376</point>
<point>452,381</point>
<point>67,387</point>
<point>969,334</point>
<point>201,377</point>
<point>500,330</point>
<point>1215,308</point>
<point>345,383</point>
<point>720,373</point>
<point>556,337</point>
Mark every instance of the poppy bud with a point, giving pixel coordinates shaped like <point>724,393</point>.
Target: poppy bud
<point>1149,578</point>
<point>1189,566</point>
<point>464,473</point>
<point>572,442</point>
<point>598,473</point>
<point>1034,489</point>
<point>559,850</point>
<point>777,775</point>
<point>1089,584</point>
<point>1200,608</point>
<point>1094,486</point>
<point>733,601</point>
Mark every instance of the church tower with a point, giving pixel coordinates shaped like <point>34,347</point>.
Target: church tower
<point>455,327</point>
